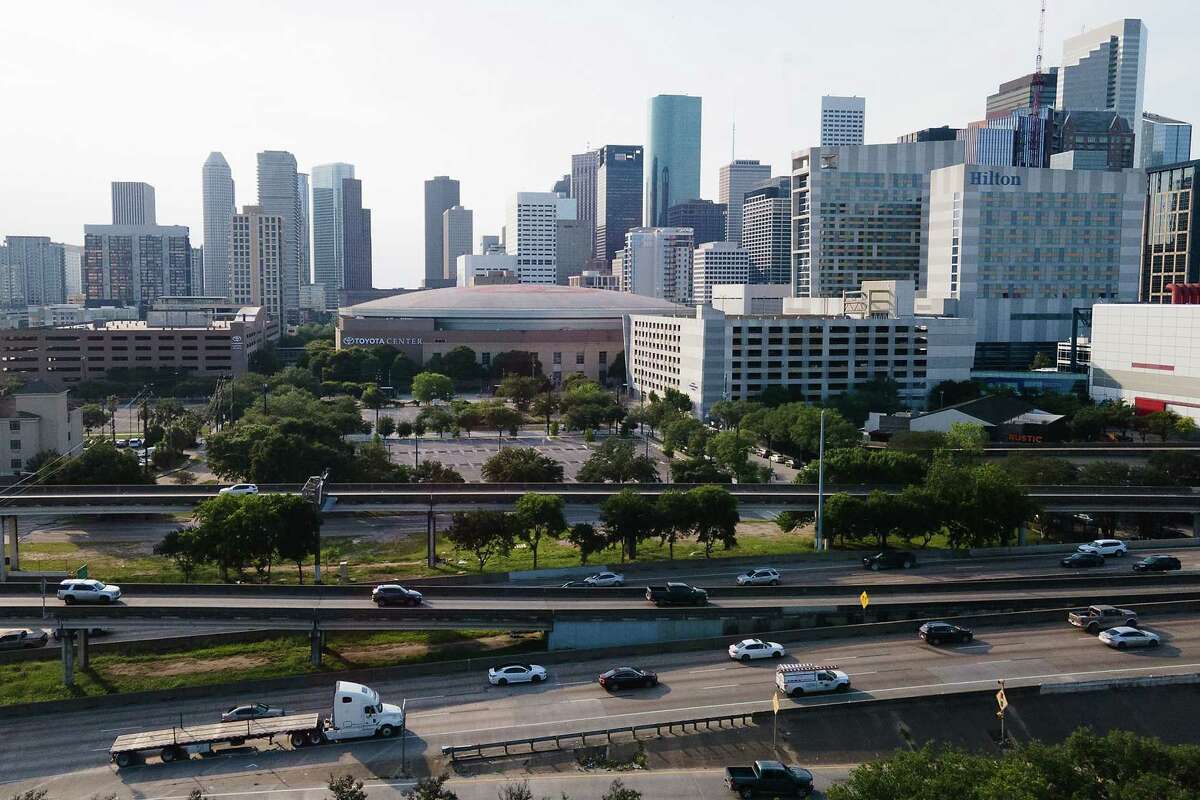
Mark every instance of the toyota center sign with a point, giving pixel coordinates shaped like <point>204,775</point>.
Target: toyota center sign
<point>399,341</point>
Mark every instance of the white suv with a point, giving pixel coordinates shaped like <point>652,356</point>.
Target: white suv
<point>240,488</point>
<point>76,590</point>
<point>1104,547</point>
<point>748,649</point>
<point>759,577</point>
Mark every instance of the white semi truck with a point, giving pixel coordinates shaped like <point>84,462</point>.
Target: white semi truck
<point>357,713</point>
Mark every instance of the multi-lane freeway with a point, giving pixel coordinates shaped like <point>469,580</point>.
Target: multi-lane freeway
<point>464,709</point>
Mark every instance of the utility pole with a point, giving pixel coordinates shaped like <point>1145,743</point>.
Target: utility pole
<point>264,388</point>
<point>819,539</point>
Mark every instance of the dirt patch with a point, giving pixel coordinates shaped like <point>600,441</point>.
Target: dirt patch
<point>170,668</point>
<point>407,651</point>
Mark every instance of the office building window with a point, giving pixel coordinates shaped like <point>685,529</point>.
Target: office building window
<point>14,425</point>
<point>14,444</point>
<point>558,358</point>
<point>16,463</point>
<point>603,356</point>
<point>486,359</point>
<point>578,359</point>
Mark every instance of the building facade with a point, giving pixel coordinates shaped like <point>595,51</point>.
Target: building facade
<point>490,243</point>
<point>1104,69</point>
<point>859,213</point>
<point>572,249</point>
<point>256,253</point>
<point>479,269</point>
<point>304,195</point>
<point>1170,250</point>
<point>672,157</point>
<point>329,239</point>
<point>458,229</point>
<point>278,195</point>
<point>943,133</point>
<point>617,197</point>
<point>36,271</point>
<point>843,120</point>
<point>441,193</point>
<point>594,279</point>
<point>532,232</point>
<point>196,281</point>
<point>1023,93</point>
<point>735,179</point>
<point>704,217</point>
<point>583,185</point>
<point>219,207</point>
<point>37,421</point>
<point>358,261</point>
<point>132,203</point>
<point>136,264</point>
<point>73,275</point>
<point>657,262</point>
<point>1017,250</point>
<point>1164,140</point>
<point>716,263</point>
<point>1105,133</point>
<point>767,231</point>
<point>990,147</point>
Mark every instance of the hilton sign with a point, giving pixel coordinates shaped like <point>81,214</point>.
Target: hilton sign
<point>992,179</point>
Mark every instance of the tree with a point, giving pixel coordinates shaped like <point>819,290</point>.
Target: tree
<point>500,418</point>
<point>856,465</point>
<point>589,540</point>
<point>585,405</point>
<point>521,389</point>
<point>436,418</point>
<point>616,461</point>
<point>432,788</point>
<point>430,471</point>
<point>182,547</point>
<point>468,417</point>
<point>919,443</point>
<point>788,521</point>
<point>843,516</point>
<point>1029,470</point>
<point>677,433</point>
<point>373,398</point>
<point>730,450</point>
<point>545,405</point>
<point>522,465</point>
<point>1105,473</point>
<point>1162,424</point>
<point>730,413</point>
<point>483,534</point>
<point>949,393</point>
<point>629,518</point>
<point>515,362</point>
<point>880,394</point>
<point>676,515</point>
<point>537,516</point>
<point>515,791</point>
<point>101,464</point>
<point>1088,423</point>
<point>964,442</point>
<point>402,371</point>
<point>715,517</point>
<point>294,528</point>
<point>346,788</point>
<point>430,386</point>
<point>94,416</point>
<point>460,364</point>
<point>385,427</point>
<point>698,470</point>
<point>619,791</point>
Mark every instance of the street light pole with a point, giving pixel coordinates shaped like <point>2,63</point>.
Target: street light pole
<point>819,540</point>
<point>264,388</point>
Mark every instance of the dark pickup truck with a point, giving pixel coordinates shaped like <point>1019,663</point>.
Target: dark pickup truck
<point>769,779</point>
<point>676,594</point>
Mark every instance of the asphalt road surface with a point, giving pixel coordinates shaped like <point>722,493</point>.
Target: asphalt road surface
<point>463,709</point>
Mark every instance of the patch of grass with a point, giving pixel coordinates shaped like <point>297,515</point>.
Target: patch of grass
<point>32,681</point>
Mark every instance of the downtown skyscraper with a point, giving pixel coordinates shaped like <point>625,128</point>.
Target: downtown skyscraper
<point>441,193</point>
<point>217,186</point>
<point>617,198</point>
<point>672,156</point>
<point>843,120</point>
<point>329,241</point>
<point>736,178</point>
<point>278,195</point>
<point>132,203</point>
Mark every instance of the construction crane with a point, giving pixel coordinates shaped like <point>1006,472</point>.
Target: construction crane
<point>1035,87</point>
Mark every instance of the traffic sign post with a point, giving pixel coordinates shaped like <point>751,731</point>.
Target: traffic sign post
<point>1002,703</point>
<point>775,730</point>
<point>864,600</point>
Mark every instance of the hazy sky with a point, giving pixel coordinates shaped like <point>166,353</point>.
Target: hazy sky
<point>496,94</point>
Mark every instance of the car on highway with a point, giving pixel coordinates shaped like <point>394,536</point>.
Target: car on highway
<point>675,593</point>
<point>251,711</point>
<point>393,594</point>
<point>762,576</point>
<point>22,638</point>
<point>575,585</point>
<point>1157,563</point>
<point>516,673</point>
<point>58,632</point>
<point>76,590</point>
<point>890,559</point>
<point>119,443</point>
<point>240,488</point>
<point>1094,619</point>
<point>1076,560</point>
<point>942,632</point>
<point>605,579</point>
<point>627,678</point>
<point>769,779</point>
<point>135,443</point>
<point>749,649</point>
<point>797,680</point>
<point>1120,638</point>
<point>1105,547</point>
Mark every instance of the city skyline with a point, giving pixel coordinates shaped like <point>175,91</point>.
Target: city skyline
<point>63,179</point>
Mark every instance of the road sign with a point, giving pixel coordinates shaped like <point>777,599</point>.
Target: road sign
<point>1001,700</point>
<point>82,572</point>
<point>775,702</point>
<point>864,599</point>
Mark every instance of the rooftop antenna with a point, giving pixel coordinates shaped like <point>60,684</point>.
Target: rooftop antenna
<point>733,141</point>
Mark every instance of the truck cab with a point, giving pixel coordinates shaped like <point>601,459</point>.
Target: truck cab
<point>358,712</point>
<point>769,779</point>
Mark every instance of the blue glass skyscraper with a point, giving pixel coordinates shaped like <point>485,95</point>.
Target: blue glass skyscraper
<point>672,157</point>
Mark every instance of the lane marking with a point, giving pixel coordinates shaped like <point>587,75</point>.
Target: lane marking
<point>721,686</point>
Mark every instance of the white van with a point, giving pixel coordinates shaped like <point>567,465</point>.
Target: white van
<point>796,680</point>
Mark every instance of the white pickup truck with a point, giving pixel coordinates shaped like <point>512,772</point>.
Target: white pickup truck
<point>357,713</point>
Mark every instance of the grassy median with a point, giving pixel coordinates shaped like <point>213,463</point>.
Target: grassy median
<point>33,681</point>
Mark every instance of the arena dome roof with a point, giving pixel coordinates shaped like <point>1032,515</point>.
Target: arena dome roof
<point>513,300</point>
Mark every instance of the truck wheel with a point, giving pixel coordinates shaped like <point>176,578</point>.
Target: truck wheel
<point>315,737</point>
<point>124,759</point>
<point>798,691</point>
<point>298,740</point>
<point>747,794</point>
<point>1093,628</point>
<point>386,731</point>
<point>168,754</point>
<point>845,687</point>
<point>875,567</point>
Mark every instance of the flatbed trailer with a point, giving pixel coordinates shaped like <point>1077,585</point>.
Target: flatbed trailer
<point>171,744</point>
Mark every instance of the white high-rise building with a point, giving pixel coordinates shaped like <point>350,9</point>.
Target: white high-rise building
<point>196,279</point>
<point>136,264</point>
<point>218,219</point>
<point>736,179</point>
<point>1104,69</point>
<point>303,194</point>
<point>278,196</point>
<point>532,234</point>
<point>257,247</point>
<point>715,263</point>
<point>132,203</point>
<point>1164,140</point>
<point>328,201</point>
<point>843,120</point>
<point>457,232</point>
<point>657,262</point>
<point>73,270</point>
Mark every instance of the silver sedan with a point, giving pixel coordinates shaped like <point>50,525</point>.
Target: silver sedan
<point>1124,636</point>
<point>251,711</point>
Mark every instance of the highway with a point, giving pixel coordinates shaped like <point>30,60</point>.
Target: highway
<point>463,709</point>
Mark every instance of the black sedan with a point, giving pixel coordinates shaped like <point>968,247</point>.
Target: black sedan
<point>628,678</point>
<point>393,594</point>
<point>1083,560</point>
<point>890,559</point>
<point>1157,564</point>
<point>942,632</point>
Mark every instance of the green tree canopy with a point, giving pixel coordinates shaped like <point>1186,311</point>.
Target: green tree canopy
<point>538,516</point>
<point>629,518</point>
<point>521,389</point>
<point>482,534</point>
<point>617,461</point>
<point>101,463</point>
<point>430,386</point>
<point>522,465</point>
<point>857,465</point>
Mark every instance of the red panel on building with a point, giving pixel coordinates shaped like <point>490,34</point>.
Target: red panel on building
<point>1148,405</point>
<point>1187,294</point>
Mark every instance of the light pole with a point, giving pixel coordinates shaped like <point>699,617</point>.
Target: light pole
<point>819,539</point>
<point>264,388</point>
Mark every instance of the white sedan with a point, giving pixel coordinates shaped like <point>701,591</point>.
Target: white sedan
<point>240,488</point>
<point>605,579</point>
<point>1123,637</point>
<point>748,649</point>
<point>763,576</point>
<point>516,673</point>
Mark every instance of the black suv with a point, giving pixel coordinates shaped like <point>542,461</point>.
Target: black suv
<point>1157,564</point>
<point>890,559</point>
<point>939,632</point>
<point>1083,560</point>
<point>392,594</point>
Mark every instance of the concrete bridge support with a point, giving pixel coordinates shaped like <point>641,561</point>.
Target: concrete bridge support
<point>84,655</point>
<point>11,529</point>
<point>316,641</point>
<point>68,657</point>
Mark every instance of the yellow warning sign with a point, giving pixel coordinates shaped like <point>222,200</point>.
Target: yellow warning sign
<point>864,599</point>
<point>775,702</point>
<point>1001,700</point>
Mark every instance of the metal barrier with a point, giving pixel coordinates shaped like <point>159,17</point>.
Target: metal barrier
<point>477,750</point>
